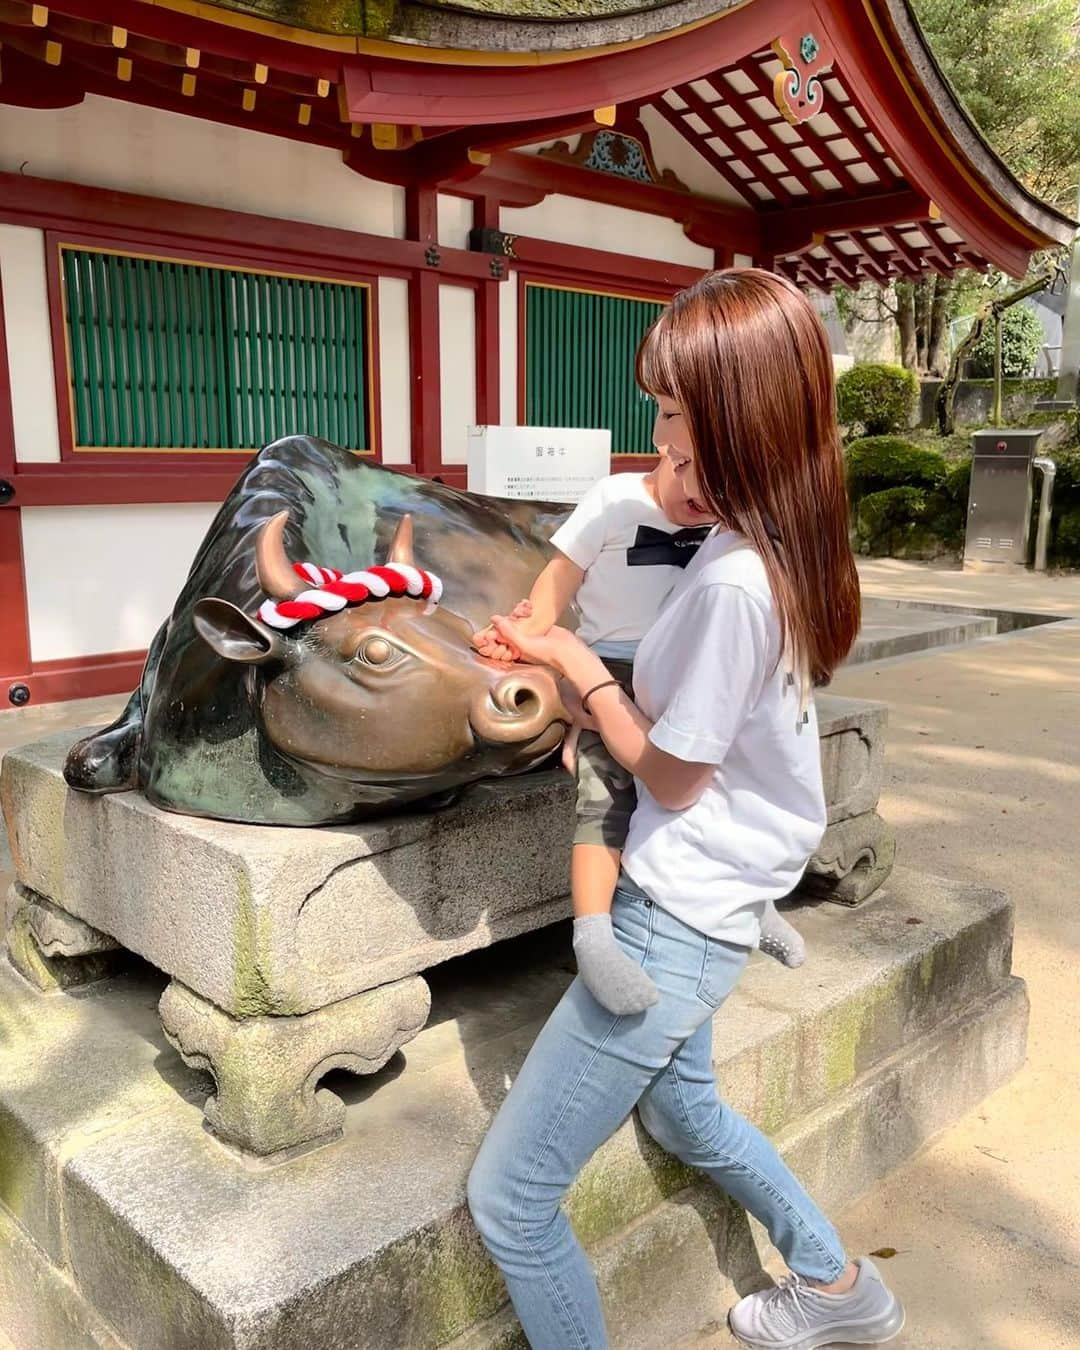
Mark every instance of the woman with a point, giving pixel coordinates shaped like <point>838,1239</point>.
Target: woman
<point>722,740</point>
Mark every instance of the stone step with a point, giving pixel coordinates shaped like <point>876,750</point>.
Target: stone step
<point>891,629</point>
<point>367,1243</point>
<point>680,1267</point>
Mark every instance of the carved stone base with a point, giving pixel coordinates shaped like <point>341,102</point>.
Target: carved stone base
<point>854,859</point>
<point>52,949</point>
<point>266,1069</point>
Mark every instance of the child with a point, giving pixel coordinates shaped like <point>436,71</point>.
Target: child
<point>619,554</point>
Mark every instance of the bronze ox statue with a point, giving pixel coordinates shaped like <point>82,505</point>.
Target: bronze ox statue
<point>373,706</point>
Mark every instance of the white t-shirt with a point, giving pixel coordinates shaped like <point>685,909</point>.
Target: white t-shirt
<point>617,602</point>
<point>707,676</point>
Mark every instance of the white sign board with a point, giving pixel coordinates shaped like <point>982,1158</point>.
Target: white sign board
<point>550,464</point>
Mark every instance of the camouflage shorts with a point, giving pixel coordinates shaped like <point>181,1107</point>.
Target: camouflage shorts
<point>605,790</point>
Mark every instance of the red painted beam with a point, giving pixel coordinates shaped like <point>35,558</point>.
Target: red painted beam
<point>445,95</point>
<point>793,229</point>
<point>74,677</point>
<point>924,154</point>
<point>738,227</point>
<point>72,208</point>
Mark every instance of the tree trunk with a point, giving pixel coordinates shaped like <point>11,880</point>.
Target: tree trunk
<point>905,321</point>
<point>936,359</point>
<point>922,301</point>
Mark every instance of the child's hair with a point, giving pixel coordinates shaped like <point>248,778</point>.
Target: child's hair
<point>747,359</point>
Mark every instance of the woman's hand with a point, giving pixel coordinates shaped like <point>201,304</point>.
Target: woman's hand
<point>488,643</point>
<point>554,648</point>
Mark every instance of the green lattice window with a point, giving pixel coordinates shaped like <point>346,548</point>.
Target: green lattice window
<point>172,355</point>
<point>579,363</point>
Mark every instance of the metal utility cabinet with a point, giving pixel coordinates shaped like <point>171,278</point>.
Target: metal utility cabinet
<point>999,507</point>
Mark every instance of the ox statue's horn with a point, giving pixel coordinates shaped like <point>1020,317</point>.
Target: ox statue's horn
<point>401,546</point>
<point>272,565</point>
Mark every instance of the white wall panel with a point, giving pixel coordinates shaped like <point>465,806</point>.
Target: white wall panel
<point>569,220</point>
<point>102,578</point>
<point>395,379</point>
<point>455,220</point>
<point>457,369</point>
<point>29,344</point>
<point>110,143</point>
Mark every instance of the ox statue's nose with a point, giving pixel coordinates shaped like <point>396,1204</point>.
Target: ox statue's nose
<point>519,706</point>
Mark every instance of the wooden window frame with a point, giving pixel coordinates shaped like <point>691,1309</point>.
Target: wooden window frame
<point>591,284</point>
<point>153,459</point>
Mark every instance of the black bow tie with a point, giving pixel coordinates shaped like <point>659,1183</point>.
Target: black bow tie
<point>658,548</point>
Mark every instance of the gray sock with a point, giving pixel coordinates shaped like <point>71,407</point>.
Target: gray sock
<point>780,940</point>
<point>614,979</point>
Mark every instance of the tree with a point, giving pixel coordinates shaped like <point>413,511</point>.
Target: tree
<point>1012,63</point>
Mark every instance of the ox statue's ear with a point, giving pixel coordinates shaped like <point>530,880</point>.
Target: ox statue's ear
<point>401,546</point>
<point>236,636</point>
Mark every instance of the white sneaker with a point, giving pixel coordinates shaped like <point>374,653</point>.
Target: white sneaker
<point>795,1315</point>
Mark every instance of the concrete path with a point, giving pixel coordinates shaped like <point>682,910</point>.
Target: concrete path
<point>983,783</point>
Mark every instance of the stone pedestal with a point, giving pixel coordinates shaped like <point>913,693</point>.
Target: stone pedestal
<point>294,951</point>
<point>125,1226</point>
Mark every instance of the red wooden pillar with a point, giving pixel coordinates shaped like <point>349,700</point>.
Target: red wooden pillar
<point>486,217</point>
<point>15,628</point>
<point>421,223</point>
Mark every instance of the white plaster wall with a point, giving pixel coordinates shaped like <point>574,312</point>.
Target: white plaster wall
<point>457,369</point>
<point>395,379</point>
<point>508,352</point>
<point>29,346</point>
<point>569,220</point>
<point>102,578</point>
<point>455,220</point>
<point>109,143</point>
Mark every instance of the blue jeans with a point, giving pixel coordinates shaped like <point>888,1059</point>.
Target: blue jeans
<point>583,1076</point>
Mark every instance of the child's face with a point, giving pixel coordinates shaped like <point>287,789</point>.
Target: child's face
<point>675,477</point>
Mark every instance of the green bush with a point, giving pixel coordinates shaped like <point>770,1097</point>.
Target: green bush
<point>1022,338</point>
<point>897,523</point>
<point>877,398</point>
<point>1067,539</point>
<point>875,463</point>
<point>957,484</point>
<point>1065,528</point>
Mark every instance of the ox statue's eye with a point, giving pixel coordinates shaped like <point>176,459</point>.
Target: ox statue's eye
<point>378,652</point>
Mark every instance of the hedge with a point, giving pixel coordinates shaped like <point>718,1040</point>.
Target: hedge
<point>1065,526</point>
<point>876,397</point>
<point>875,463</point>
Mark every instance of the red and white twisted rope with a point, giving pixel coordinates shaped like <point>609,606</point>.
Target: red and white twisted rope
<point>332,590</point>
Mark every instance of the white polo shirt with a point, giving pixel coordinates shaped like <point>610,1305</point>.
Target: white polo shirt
<point>707,676</point>
<point>617,602</point>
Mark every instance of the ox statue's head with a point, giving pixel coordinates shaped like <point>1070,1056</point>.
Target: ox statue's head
<point>386,689</point>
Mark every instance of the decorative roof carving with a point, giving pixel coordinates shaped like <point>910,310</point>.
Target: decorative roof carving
<point>618,154</point>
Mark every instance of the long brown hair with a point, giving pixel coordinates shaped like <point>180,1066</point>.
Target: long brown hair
<point>747,359</point>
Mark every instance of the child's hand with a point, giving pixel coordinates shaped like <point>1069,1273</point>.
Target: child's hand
<point>495,648</point>
<point>492,647</point>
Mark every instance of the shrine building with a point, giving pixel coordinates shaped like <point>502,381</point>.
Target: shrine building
<point>382,223</point>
